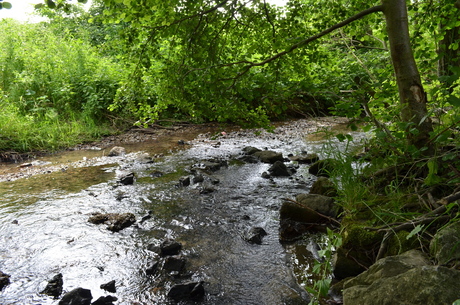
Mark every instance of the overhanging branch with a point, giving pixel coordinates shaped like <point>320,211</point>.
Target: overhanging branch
<point>378,8</point>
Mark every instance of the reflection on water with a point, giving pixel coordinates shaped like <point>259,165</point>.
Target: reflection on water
<point>44,229</point>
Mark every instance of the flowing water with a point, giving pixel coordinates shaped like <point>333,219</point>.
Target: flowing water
<point>44,228</point>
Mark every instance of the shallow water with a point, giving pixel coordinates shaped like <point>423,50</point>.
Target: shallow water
<point>44,228</point>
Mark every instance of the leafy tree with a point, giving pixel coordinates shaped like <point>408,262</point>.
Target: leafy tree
<point>231,59</point>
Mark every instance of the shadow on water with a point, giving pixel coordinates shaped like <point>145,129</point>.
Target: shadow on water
<point>44,228</point>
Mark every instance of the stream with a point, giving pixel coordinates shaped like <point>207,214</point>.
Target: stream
<point>44,228</point>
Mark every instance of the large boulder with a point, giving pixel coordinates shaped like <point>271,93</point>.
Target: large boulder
<point>445,245</point>
<point>403,279</point>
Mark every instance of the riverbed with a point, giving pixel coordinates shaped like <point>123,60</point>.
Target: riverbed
<point>46,203</point>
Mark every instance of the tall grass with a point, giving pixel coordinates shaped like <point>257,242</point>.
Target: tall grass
<point>55,89</point>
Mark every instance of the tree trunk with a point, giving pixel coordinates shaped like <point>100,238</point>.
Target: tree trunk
<point>411,94</point>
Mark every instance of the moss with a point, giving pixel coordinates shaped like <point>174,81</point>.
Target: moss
<point>398,243</point>
<point>357,236</point>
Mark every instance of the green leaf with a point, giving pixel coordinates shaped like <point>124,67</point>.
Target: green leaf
<point>415,231</point>
<point>6,5</point>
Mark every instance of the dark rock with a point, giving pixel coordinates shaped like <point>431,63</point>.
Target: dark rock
<point>170,247</point>
<point>152,269</point>
<point>127,179</point>
<point>115,221</point>
<point>212,166</point>
<point>78,296</point>
<point>146,217</point>
<point>184,181</point>
<point>105,300</point>
<point>4,280</point>
<point>248,159</point>
<point>305,158</point>
<point>291,230</point>
<point>54,286</point>
<point>174,264</point>
<point>255,235</point>
<point>197,178</point>
<point>268,156</point>
<point>207,189</point>
<point>266,175</point>
<point>323,167</point>
<point>249,150</point>
<point>319,203</point>
<point>156,174</point>
<point>323,186</point>
<point>188,291</point>
<point>110,286</point>
<point>117,151</point>
<point>279,169</point>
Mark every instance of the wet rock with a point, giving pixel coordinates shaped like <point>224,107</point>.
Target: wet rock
<point>324,186</point>
<point>249,150</point>
<point>146,217</point>
<point>255,235</point>
<point>152,269</point>
<point>445,244</point>
<point>212,166</point>
<point>115,221</point>
<point>298,219</point>
<point>403,279</point>
<point>318,203</point>
<point>279,169</point>
<point>156,174</point>
<point>78,296</point>
<point>184,181</point>
<point>54,286</point>
<point>248,159</point>
<point>188,291</point>
<point>174,264</point>
<point>4,280</point>
<point>305,158</point>
<point>105,300</point>
<point>117,151</point>
<point>323,167</point>
<point>207,189</point>
<point>269,156</point>
<point>110,286</point>
<point>127,179</point>
<point>197,178</point>
<point>170,247</point>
